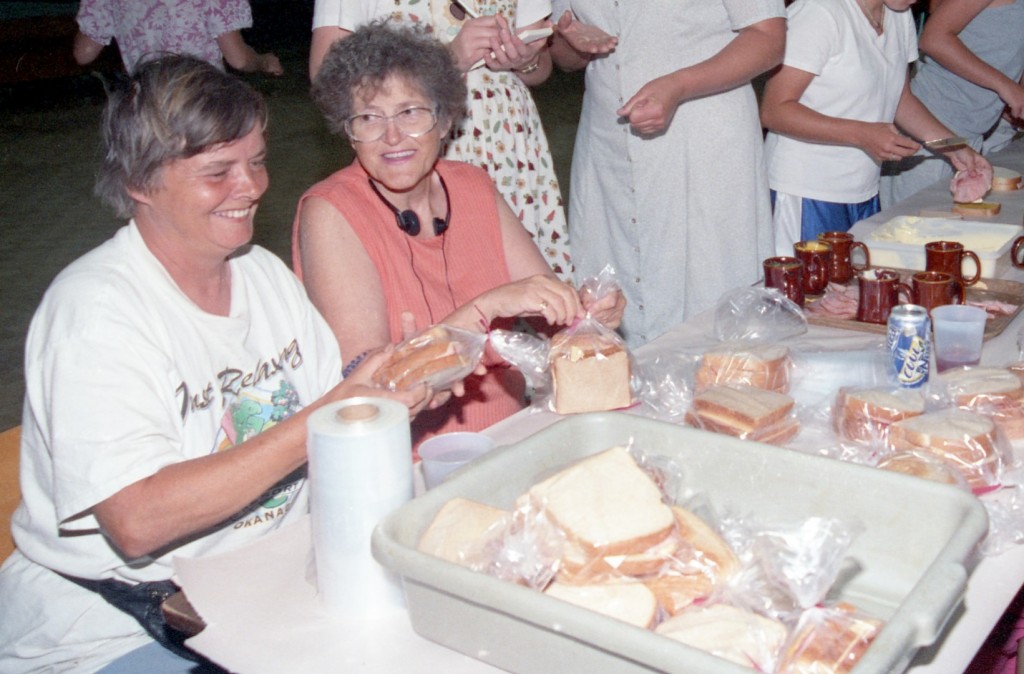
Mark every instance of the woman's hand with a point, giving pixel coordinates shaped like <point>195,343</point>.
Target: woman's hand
<point>508,52</point>
<point>538,295</point>
<point>474,40</point>
<point>651,109</point>
<point>966,159</point>
<point>607,310</point>
<point>884,142</point>
<point>586,39</point>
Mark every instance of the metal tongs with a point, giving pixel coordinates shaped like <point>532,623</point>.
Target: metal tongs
<point>945,144</point>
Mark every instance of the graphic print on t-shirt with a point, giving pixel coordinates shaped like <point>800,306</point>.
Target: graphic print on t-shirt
<point>254,410</point>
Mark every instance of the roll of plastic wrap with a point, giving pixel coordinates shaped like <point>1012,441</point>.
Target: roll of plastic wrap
<point>360,469</point>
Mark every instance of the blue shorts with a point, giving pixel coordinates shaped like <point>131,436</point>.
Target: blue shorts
<point>817,217</point>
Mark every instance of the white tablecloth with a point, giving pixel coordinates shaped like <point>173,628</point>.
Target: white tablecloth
<point>390,645</point>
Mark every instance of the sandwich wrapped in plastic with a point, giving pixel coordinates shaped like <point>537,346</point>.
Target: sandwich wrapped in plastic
<point>591,369</point>
<point>730,632</point>
<point>864,414</point>
<point>995,392</point>
<point>608,534</point>
<point>966,440</point>
<point>764,365</point>
<point>978,387</point>
<point>925,465</point>
<point>439,357</point>
<point>829,640</point>
<point>746,412</point>
<point>786,567</point>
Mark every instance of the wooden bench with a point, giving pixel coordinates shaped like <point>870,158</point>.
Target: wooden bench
<point>10,490</point>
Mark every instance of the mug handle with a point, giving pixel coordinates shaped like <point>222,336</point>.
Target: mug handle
<point>859,245</point>
<point>1017,244</point>
<point>977,267</point>
<point>908,293</point>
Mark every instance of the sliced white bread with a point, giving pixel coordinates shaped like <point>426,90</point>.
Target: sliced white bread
<point>676,591</point>
<point>739,410</point>
<point>763,366</point>
<point>630,602</point>
<point>977,209</point>
<point>966,439</point>
<point>865,414</point>
<point>460,528</point>
<point>1005,179</point>
<point>716,556</point>
<point>978,386</point>
<point>606,504</point>
<point>732,633</point>
<point>589,374</point>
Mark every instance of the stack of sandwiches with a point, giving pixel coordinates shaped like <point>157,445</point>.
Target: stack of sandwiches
<point>630,556</point>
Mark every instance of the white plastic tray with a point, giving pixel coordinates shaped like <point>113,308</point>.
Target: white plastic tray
<point>910,560</point>
<point>991,241</point>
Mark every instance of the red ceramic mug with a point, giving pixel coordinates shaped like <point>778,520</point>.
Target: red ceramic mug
<point>843,247</point>
<point>879,292</point>
<point>935,288</point>
<point>1018,243</point>
<point>816,257</point>
<point>949,256</point>
<point>786,275</point>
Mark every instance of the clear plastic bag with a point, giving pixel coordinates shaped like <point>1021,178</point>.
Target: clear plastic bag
<point>591,369</point>
<point>439,357</point>
<point>758,315</point>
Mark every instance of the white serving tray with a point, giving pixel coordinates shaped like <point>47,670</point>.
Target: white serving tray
<point>991,241</point>
<point>909,564</point>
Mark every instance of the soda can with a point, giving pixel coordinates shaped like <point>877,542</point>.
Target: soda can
<point>909,341</point>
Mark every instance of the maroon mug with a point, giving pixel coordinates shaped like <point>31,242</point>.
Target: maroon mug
<point>816,257</point>
<point>935,288</point>
<point>843,247</point>
<point>949,256</point>
<point>879,292</point>
<point>785,274</point>
<point>1018,243</point>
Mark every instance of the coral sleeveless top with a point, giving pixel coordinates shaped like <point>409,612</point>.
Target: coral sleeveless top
<point>432,277</point>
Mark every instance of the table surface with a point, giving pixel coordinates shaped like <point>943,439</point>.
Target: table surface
<point>993,583</point>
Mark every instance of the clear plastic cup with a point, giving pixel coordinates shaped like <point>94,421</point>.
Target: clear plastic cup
<point>959,335</point>
<point>442,454</point>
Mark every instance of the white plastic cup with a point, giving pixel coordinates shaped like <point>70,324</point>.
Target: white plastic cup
<point>959,335</point>
<point>443,454</point>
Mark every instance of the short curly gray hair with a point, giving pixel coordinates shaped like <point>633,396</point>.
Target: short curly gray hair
<point>171,107</point>
<point>378,50</point>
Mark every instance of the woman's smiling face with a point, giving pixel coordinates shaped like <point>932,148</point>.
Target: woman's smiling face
<point>395,160</point>
<point>205,204</point>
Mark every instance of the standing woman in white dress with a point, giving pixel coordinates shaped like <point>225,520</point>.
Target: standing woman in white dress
<point>502,131</point>
<point>668,178</point>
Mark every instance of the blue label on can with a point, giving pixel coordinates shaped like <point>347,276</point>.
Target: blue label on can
<point>910,347</point>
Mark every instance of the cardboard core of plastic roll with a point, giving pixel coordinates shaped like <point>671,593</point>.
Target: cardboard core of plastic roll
<point>356,413</point>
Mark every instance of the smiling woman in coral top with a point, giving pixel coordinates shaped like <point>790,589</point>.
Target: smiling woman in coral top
<point>402,239</point>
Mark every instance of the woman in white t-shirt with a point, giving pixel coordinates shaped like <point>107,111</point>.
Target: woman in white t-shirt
<point>839,106</point>
<point>169,376</point>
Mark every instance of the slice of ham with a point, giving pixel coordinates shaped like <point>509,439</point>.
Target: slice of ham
<point>971,185</point>
<point>994,307</point>
<point>838,302</point>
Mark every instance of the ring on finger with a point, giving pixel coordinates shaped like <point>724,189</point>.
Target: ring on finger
<point>543,305</point>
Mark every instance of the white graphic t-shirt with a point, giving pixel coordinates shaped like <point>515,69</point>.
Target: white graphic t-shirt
<point>125,376</point>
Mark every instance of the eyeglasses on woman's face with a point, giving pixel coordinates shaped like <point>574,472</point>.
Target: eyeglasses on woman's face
<point>367,127</point>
